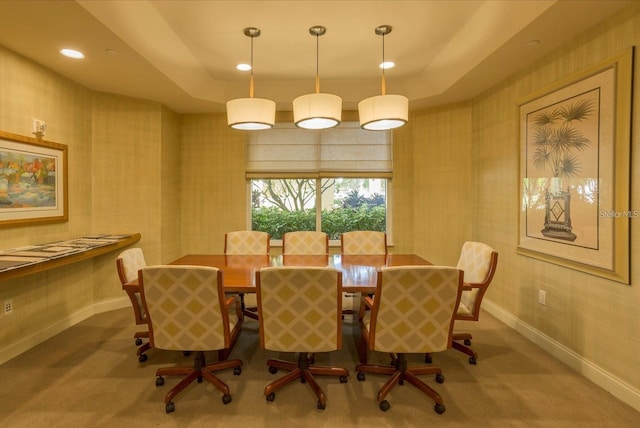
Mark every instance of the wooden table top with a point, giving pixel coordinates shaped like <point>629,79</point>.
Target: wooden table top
<point>359,273</point>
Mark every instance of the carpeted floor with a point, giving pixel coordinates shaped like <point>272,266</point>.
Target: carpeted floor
<point>89,376</point>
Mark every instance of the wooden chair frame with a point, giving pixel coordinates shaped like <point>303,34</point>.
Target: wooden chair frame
<point>399,370</point>
<point>200,369</point>
<point>133,292</point>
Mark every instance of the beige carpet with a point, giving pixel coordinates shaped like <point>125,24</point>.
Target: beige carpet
<point>89,376</point>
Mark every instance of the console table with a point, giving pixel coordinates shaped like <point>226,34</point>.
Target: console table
<point>74,253</point>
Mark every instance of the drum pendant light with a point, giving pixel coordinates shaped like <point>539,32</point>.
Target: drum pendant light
<point>383,112</point>
<point>251,113</point>
<point>317,111</point>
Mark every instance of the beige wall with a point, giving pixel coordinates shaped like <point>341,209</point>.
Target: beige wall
<point>212,185</point>
<point>441,185</point>
<point>596,319</point>
<point>45,303</point>
<point>134,166</point>
<point>123,175</point>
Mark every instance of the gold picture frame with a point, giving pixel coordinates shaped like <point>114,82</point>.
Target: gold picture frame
<point>575,170</point>
<point>33,181</point>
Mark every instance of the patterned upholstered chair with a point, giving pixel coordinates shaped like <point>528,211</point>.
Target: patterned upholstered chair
<point>479,262</point>
<point>363,242</point>
<point>188,310</point>
<point>300,313</point>
<point>412,312</point>
<point>128,263</point>
<point>357,243</point>
<point>247,243</point>
<point>303,243</point>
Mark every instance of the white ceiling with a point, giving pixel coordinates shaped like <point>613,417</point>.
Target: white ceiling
<point>183,53</point>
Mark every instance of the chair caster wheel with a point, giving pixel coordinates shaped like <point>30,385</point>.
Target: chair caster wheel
<point>226,399</point>
<point>472,361</point>
<point>343,379</point>
<point>384,405</point>
<point>273,370</point>
<point>186,353</point>
<point>271,396</point>
<point>361,376</point>
<point>439,378</point>
<point>237,371</point>
<point>428,359</point>
<point>303,380</point>
<point>321,406</point>
<point>170,407</point>
<point>159,381</point>
<point>467,342</point>
<point>138,341</point>
<point>142,358</point>
<point>439,408</point>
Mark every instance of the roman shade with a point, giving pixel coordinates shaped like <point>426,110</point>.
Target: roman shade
<point>346,151</point>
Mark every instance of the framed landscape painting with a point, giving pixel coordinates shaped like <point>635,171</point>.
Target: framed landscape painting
<point>33,181</point>
<point>575,170</point>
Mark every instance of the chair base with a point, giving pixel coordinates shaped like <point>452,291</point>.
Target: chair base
<point>200,370</point>
<point>251,312</point>
<point>304,371</point>
<point>139,335</point>
<point>464,347</point>
<point>142,348</point>
<point>400,372</point>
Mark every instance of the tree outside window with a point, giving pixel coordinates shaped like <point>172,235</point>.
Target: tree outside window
<point>331,205</point>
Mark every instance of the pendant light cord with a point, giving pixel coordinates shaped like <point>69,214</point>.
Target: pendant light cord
<point>317,63</point>
<point>251,76</point>
<point>384,83</point>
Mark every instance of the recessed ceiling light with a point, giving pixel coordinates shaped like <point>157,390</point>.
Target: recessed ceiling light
<point>387,65</point>
<point>243,67</point>
<point>532,43</point>
<point>111,51</point>
<point>71,53</point>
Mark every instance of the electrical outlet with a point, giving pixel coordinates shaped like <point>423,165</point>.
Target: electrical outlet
<point>8,307</point>
<point>542,297</point>
<point>39,126</point>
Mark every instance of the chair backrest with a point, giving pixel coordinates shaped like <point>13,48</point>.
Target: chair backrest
<point>478,261</point>
<point>300,308</point>
<point>128,263</point>
<point>185,306</point>
<point>246,242</point>
<point>363,242</point>
<point>414,308</point>
<point>305,243</point>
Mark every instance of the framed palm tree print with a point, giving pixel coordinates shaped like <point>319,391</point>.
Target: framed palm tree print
<point>574,170</point>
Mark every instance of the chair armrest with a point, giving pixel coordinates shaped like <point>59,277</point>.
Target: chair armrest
<point>365,303</point>
<point>231,300</point>
<point>472,285</point>
<point>468,287</point>
<point>131,287</point>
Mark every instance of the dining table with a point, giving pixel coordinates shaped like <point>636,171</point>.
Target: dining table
<point>359,272</point>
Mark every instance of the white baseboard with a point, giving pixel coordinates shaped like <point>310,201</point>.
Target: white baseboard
<point>604,379</point>
<point>28,342</point>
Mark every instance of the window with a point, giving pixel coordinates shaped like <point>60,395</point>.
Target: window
<point>285,205</point>
<point>333,180</point>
